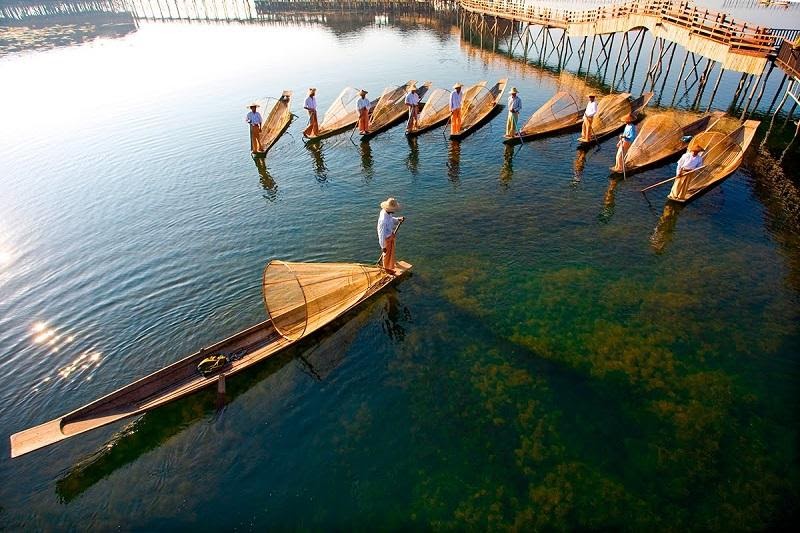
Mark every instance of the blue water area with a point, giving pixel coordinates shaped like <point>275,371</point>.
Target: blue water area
<point>567,353</point>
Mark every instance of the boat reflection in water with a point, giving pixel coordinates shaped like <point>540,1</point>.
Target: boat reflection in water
<point>609,200</point>
<point>507,169</point>
<point>320,170</point>
<point>662,234</point>
<point>366,160</point>
<point>454,162</point>
<point>577,167</point>
<point>318,357</point>
<point>267,182</point>
<point>412,161</point>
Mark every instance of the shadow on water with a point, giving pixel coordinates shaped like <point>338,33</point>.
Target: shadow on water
<point>454,162</point>
<point>577,167</point>
<point>320,170</point>
<point>609,200</point>
<point>662,234</point>
<point>412,161</point>
<point>507,168</point>
<point>319,355</point>
<point>366,160</point>
<point>266,179</point>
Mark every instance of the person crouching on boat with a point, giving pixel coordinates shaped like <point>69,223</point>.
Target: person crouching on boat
<point>412,103</point>
<point>588,115</point>
<point>625,140</point>
<point>514,107</point>
<point>310,105</point>
<point>387,223</point>
<point>254,119</point>
<point>691,160</point>
<point>455,109</point>
<point>363,113</point>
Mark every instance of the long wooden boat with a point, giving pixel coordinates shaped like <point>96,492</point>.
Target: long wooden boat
<point>725,144</point>
<point>277,122</point>
<point>391,108</point>
<point>342,115</point>
<point>661,137</point>
<point>435,112</point>
<point>300,298</point>
<point>611,113</point>
<point>477,108</point>
<point>559,114</point>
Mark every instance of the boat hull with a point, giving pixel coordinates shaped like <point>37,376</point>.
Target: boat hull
<point>538,135</point>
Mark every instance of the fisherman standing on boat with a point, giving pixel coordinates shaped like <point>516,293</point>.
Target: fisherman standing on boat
<point>387,223</point>
<point>412,103</point>
<point>625,140</point>
<point>514,107</point>
<point>455,109</point>
<point>363,113</point>
<point>691,160</point>
<point>588,116</point>
<point>254,119</point>
<point>310,106</point>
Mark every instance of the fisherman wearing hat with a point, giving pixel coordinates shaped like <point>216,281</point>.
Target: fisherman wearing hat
<point>387,223</point>
<point>412,103</point>
<point>691,160</point>
<point>625,140</point>
<point>363,112</point>
<point>588,115</point>
<point>514,107</point>
<point>455,109</point>
<point>310,106</point>
<point>254,119</point>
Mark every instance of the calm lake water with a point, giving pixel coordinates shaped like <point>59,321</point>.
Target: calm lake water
<point>567,353</point>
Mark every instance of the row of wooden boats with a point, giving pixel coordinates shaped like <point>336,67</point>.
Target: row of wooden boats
<point>299,298</point>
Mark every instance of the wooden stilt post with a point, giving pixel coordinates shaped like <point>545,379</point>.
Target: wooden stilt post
<point>622,45</point>
<point>703,81</point>
<point>738,90</point>
<point>678,84</point>
<point>581,53</point>
<point>763,86</point>
<point>777,110</point>
<point>716,86</point>
<point>638,52</point>
<point>666,74</point>
<point>777,93</point>
<point>749,100</point>
<point>589,62</point>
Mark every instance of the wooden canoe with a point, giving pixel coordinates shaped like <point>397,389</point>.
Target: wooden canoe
<point>341,116</point>
<point>725,144</point>
<point>277,122</point>
<point>477,109</point>
<point>391,108</point>
<point>663,136</point>
<point>244,349</point>
<point>435,112</point>
<point>559,114</point>
<point>611,113</point>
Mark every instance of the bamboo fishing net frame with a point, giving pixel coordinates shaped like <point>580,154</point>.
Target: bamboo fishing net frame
<point>559,111</point>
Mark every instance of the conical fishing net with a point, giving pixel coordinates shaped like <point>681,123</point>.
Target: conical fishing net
<point>720,158</point>
<point>611,111</point>
<point>279,116</point>
<point>558,112</point>
<point>659,136</point>
<point>343,111</point>
<point>302,297</point>
<point>478,103</point>
<point>389,106</point>
<point>436,109</point>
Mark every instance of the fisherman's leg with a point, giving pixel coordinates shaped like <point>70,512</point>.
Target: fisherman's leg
<point>388,256</point>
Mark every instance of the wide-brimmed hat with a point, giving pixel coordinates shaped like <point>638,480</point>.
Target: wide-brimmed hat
<point>591,96</point>
<point>363,91</point>
<point>695,147</point>
<point>312,89</point>
<point>390,204</point>
<point>629,118</point>
<point>513,90</point>
<point>412,88</point>
<point>253,105</point>
<point>457,85</point>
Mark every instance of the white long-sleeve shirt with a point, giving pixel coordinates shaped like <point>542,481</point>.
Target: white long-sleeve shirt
<point>254,118</point>
<point>412,99</point>
<point>311,103</point>
<point>591,109</point>
<point>455,100</point>
<point>386,225</point>
<point>362,103</point>
<point>688,161</point>
<point>514,103</point>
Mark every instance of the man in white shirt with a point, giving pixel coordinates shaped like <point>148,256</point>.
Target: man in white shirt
<point>363,113</point>
<point>387,223</point>
<point>591,110</point>
<point>514,107</point>
<point>455,109</point>
<point>254,119</point>
<point>691,160</point>
<point>412,103</point>
<point>310,106</point>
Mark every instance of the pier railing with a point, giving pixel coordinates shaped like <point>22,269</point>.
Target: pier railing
<point>789,58</point>
<point>740,37</point>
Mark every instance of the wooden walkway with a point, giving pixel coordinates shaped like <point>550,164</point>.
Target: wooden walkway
<point>737,46</point>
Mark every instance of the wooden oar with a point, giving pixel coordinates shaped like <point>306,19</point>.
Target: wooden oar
<point>624,155</point>
<point>653,186</point>
<point>394,232</point>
